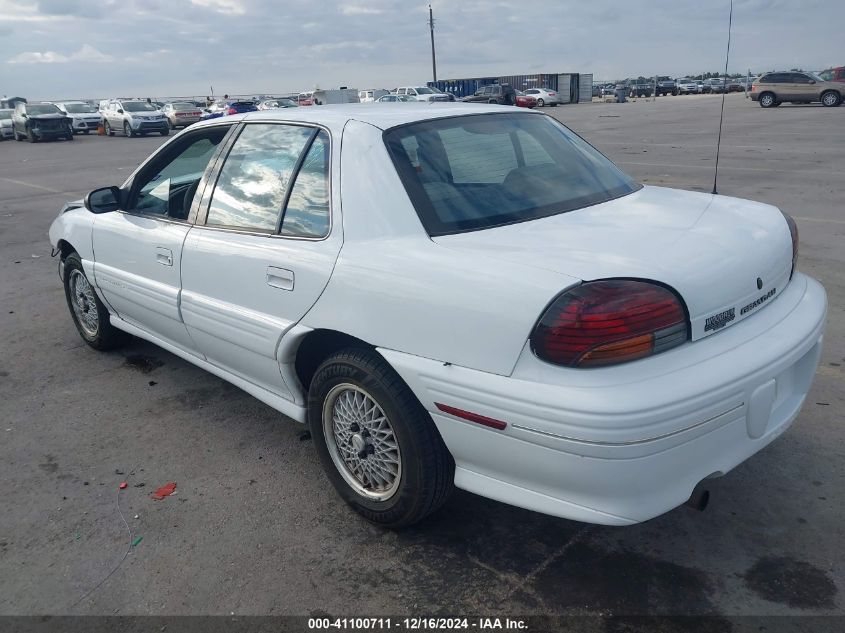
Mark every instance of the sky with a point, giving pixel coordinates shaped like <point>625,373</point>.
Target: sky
<point>51,49</point>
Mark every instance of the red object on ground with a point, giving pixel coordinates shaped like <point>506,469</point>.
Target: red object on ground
<point>123,485</point>
<point>165,491</point>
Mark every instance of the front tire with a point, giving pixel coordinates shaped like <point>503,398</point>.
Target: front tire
<point>30,136</point>
<point>107,129</point>
<point>767,100</point>
<point>165,132</point>
<point>127,130</point>
<point>378,445</point>
<point>89,315</point>
<point>831,99</point>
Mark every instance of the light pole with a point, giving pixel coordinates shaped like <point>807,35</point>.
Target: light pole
<point>431,29</point>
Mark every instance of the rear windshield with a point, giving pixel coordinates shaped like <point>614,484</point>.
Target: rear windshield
<point>479,171</point>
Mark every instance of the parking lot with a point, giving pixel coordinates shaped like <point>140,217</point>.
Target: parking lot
<point>256,528</point>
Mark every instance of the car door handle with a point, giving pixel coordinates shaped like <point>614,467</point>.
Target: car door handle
<point>280,278</point>
<point>164,256</point>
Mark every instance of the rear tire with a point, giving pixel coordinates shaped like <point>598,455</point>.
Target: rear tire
<point>378,445</point>
<point>767,100</point>
<point>89,315</point>
<point>831,99</point>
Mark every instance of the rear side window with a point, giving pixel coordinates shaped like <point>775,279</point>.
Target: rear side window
<point>253,182</point>
<point>474,172</point>
<point>307,210</point>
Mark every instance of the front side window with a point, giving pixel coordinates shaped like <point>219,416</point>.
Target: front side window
<point>479,171</point>
<point>253,182</point>
<point>167,185</point>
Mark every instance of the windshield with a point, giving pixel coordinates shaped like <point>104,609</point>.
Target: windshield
<point>479,171</point>
<point>80,108</point>
<point>424,91</point>
<point>5,114</point>
<point>42,108</point>
<point>138,106</point>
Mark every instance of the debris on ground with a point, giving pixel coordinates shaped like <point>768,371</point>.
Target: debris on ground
<point>165,491</point>
<point>123,485</point>
<point>137,540</point>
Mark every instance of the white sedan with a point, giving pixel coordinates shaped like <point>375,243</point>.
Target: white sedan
<point>465,297</point>
<point>544,97</point>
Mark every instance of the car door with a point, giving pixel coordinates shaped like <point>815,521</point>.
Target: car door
<point>138,249</point>
<point>805,87</point>
<point>264,251</point>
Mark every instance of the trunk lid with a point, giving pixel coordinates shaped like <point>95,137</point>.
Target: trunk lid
<point>726,257</point>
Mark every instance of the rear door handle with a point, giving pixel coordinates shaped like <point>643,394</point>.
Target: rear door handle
<point>280,278</point>
<point>164,256</point>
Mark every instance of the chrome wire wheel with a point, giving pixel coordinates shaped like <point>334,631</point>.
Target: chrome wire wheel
<point>361,442</point>
<point>84,303</point>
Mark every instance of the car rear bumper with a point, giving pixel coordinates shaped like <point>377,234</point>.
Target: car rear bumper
<point>184,121</point>
<point>624,444</point>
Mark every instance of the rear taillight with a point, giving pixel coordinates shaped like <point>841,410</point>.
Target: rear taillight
<point>793,232</point>
<point>232,111</point>
<point>609,322</point>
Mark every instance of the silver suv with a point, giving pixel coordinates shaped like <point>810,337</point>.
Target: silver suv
<point>134,117</point>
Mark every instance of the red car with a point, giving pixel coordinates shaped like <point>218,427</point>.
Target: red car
<point>525,101</point>
<point>834,74</point>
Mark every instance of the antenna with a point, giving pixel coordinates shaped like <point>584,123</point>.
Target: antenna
<point>431,28</point>
<point>724,90</point>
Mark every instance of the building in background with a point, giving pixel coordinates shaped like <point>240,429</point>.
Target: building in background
<point>572,87</point>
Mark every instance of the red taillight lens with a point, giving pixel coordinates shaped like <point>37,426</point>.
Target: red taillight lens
<point>793,232</point>
<point>609,322</point>
<point>232,111</point>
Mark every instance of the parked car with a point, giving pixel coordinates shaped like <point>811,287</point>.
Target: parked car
<point>391,98</point>
<point>717,85</point>
<point>772,89</point>
<point>440,95</point>
<point>703,86</point>
<point>503,94</point>
<point>181,114</point>
<point>305,98</point>
<point>228,108</point>
<point>544,97</point>
<point>608,90</point>
<point>833,74</point>
<point>687,86</point>
<point>40,122</point>
<point>500,309</point>
<point>525,101</point>
<point>368,96</point>
<point>666,86</point>
<point>275,104</point>
<point>640,88</point>
<point>6,129</point>
<point>134,118</point>
<point>84,117</point>
<point>420,93</point>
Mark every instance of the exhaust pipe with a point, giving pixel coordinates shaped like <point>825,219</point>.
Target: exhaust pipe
<point>699,498</point>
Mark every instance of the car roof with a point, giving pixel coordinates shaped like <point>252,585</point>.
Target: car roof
<point>383,117</point>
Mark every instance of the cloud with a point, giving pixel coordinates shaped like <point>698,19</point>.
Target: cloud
<point>358,10</point>
<point>232,7</point>
<point>85,54</point>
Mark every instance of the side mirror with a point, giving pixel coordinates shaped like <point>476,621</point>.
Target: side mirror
<point>812,81</point>
<point>103,200</point>
<point>120,111</point>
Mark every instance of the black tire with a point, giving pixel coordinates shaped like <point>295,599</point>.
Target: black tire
<point>831,99</point>
<point>165,132</point>
<point>427,468</point>
<point>30,136</point>
<point>70,137</point>
<point>767,99</point>
<point>106,336</point>
<point>127,130</point>
<point>108,129</point>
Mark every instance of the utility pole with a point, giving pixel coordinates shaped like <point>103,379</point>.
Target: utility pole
<point>431,28</point>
